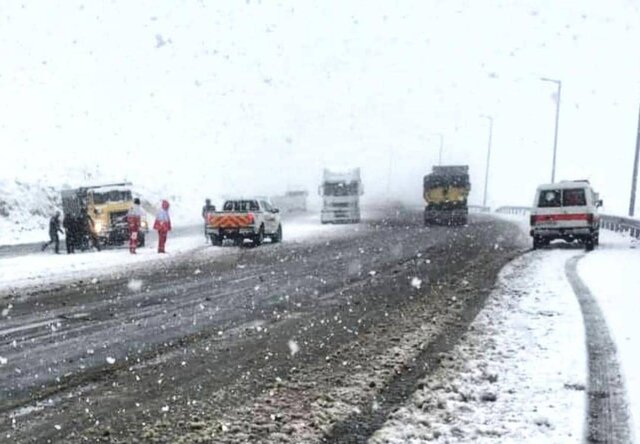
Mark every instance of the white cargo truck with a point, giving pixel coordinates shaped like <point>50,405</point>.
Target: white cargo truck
<point>341,191</point>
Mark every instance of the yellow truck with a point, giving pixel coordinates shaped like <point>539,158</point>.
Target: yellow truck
<point>445,193</point>
<point>101,211</point>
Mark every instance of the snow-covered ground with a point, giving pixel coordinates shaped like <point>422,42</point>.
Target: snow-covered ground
<point>520,373</point>
<point>39,268</point>
<point>612,273</point>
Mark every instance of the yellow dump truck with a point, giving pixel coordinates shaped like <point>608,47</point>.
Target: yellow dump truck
<point>107,207</point>
<point>446,191</point>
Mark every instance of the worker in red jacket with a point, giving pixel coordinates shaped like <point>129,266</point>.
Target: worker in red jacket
<point>162,225</point>
<point>134,221</point>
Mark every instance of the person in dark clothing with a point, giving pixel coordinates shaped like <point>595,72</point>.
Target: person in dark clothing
<point>88,227</point>
<point>54,229</point>
<point>70,233</point>
<point>206,209</point>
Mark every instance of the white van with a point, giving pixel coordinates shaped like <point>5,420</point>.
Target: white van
<point>566,210</point>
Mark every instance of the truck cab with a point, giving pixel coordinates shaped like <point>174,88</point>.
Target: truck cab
<point>567,210</point>
<point>341,193</point>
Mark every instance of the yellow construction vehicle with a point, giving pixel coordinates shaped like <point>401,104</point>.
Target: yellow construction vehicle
<point>107,207</point>
<point>446,191</point>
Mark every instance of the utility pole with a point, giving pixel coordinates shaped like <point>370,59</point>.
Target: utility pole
<point>634,178</point>
<point>486,173</point>
<point>555,135</point>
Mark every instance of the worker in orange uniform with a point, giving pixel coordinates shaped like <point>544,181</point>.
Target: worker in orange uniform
<point>162,225</point>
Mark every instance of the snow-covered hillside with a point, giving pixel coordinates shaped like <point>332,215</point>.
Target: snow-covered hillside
<point>25,209</point>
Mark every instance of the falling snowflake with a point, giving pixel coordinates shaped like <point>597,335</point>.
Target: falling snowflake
<point>165,408</point>
<point>293,347</point>
<point>197,271</point>
<point>3,360</point>
<point>135,285</point>
<point>416,283</point>
<point>111,360</point>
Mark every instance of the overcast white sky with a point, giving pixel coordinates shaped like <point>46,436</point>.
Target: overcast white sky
<point>229,97</point>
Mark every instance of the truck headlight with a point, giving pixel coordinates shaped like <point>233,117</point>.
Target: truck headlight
<point>98,227</point>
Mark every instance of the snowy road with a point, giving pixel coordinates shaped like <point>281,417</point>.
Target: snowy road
<point>209,341</point>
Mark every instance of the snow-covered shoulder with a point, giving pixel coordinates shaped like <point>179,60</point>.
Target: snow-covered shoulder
<point>518,375</point>
<point>612,273</point>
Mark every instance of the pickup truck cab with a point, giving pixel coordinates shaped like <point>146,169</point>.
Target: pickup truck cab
<point>242,219</point>
<point>566,210</point>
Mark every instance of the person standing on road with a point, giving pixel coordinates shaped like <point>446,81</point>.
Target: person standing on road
<point>206,209</point>
<point>134,220</point>
<point>54,229</point>
<point>70,232</point>
<point>162,225</point>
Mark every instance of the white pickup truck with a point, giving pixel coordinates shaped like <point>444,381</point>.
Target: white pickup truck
<point>242,219</point>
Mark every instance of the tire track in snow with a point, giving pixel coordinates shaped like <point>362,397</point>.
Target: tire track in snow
<point>607,413</point>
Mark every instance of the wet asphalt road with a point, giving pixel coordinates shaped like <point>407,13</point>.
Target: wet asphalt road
<point>100,360</point>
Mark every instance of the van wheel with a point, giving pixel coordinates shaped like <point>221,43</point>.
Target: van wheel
<point>589,243</point>
<point>538,243</point>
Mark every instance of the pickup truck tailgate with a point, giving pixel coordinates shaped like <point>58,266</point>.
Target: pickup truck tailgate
<point>231,220</point>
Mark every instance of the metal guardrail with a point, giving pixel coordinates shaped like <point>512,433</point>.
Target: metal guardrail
<point>523,211</point>
<point>621,225</point>
<point>618,224</point>
<point>479,209</point>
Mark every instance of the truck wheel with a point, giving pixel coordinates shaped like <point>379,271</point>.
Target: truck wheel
<point>258,239</point>
<point>141,240</point>
<point>216,241</point>
<point>596,238</point>
<point>278,236</point>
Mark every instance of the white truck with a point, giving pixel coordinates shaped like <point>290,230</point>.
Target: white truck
<point>240,219</point>
<point>292,201</point>
<point>341,191</point>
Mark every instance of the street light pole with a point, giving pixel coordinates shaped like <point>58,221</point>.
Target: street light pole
<point>486,173</point>
<point>634,178</point>
<point>441,147</point>
<point>555,135</point>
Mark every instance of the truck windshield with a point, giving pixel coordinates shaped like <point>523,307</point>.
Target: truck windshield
<point>111,196</point>
<point>341,189</point>
<point>241,205</point>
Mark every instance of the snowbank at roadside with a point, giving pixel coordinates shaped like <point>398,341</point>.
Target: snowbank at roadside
<point>612,273</point>
<point>518,375</point>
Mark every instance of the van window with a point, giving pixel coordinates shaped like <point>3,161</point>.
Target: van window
<point>549,198</point>
<point>574,198</point>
